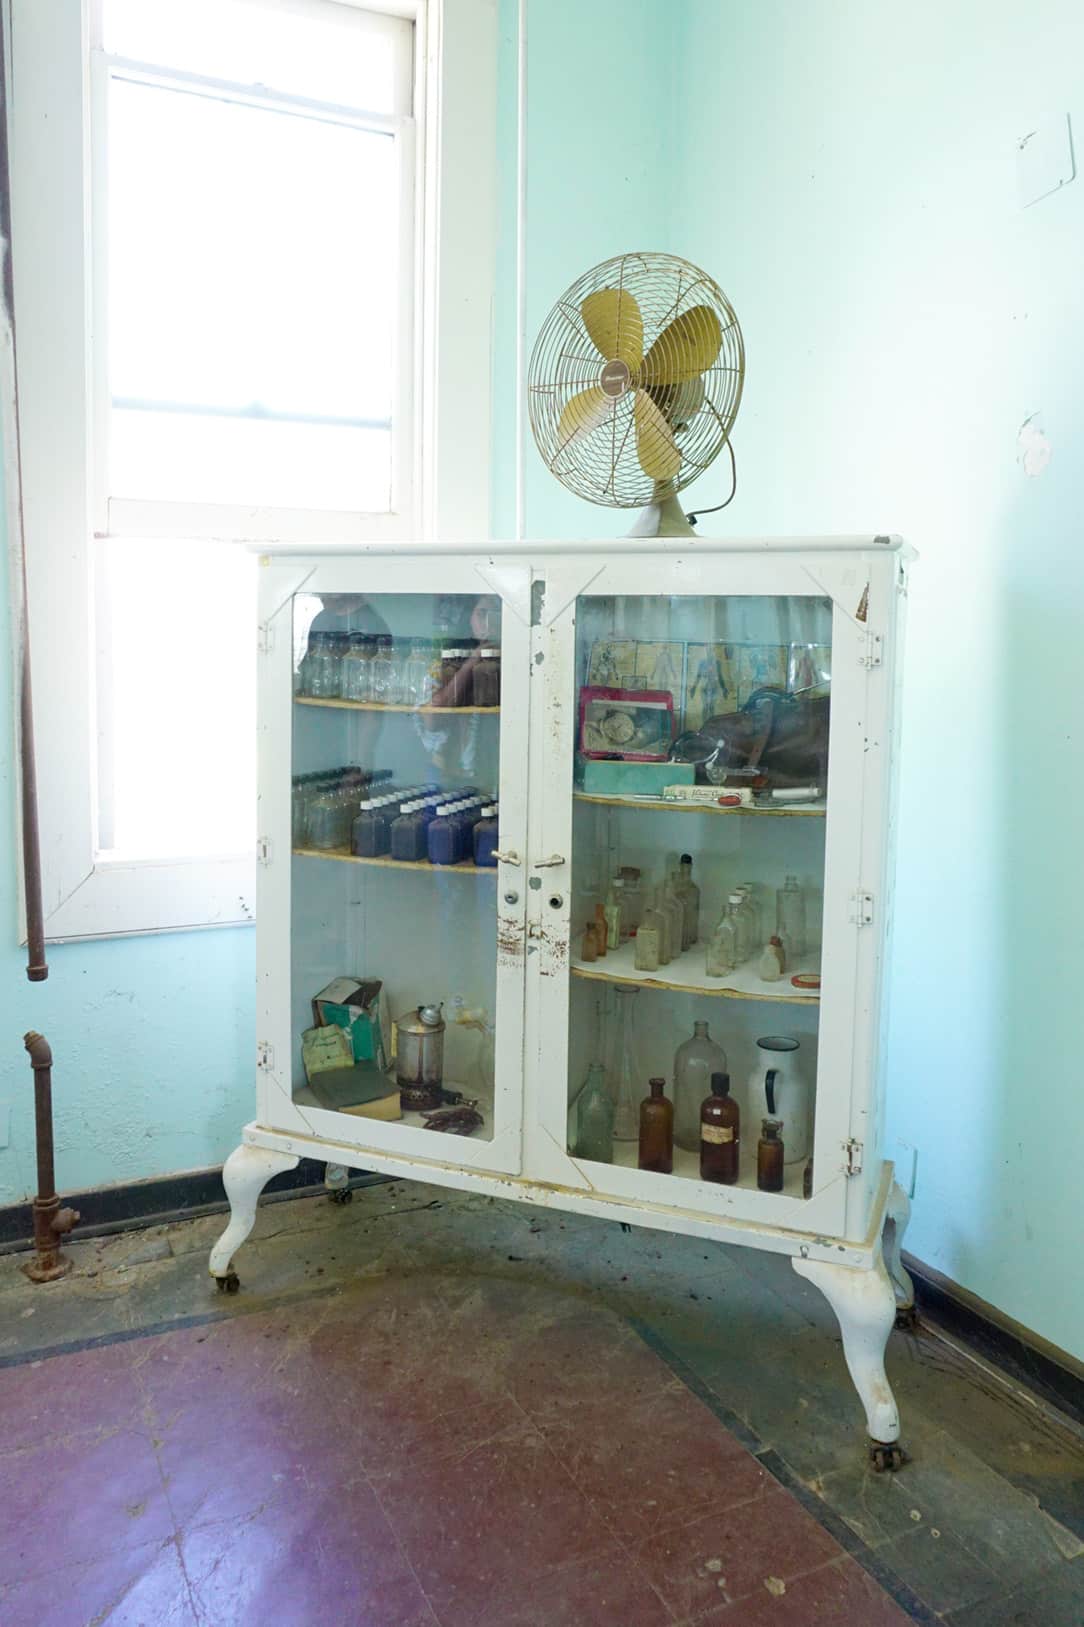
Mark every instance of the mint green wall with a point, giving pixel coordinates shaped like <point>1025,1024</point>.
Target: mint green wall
<point>848,174</point>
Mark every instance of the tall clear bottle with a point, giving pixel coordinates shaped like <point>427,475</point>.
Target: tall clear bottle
<point>595,1127</point>
<point>632,900</point>
<point>689,893</point>
<point>667,900</point>
<point>694,1063</point>
<point>625,1067</point>
<point>657,918</point>
<point>676,907</point>
<point>790,919</point>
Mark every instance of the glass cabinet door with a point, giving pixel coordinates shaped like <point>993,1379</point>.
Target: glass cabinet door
<point>397,994</point>
<point>702,764</point>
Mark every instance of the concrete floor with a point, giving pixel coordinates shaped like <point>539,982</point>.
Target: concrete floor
<point>983,1528</point>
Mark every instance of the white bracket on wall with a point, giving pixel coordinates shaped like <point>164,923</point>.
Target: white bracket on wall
<point>265,1054</point>
<point>872,652</point>
<point>853,1151</point>
<point>862,909</point>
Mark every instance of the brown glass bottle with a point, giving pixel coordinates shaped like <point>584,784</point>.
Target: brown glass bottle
<point>657,1130</point>
<point>590,942</point>
<point>770,1157</point>
<point>720,1139</point>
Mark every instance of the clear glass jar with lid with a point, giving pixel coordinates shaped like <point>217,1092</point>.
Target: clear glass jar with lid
<point>382,675</point>
<point>355,682</point>
<point>418,680</point>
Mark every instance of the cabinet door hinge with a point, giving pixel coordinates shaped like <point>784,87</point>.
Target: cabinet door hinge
<point>263,850</point>
<point>862,909</point>
<point>853,1151</point>
<point>872,651</point>
<point>265,1055</point>
<point>265,639</point>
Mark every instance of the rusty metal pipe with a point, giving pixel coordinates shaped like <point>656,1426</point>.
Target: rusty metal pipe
<point>51,1222</point>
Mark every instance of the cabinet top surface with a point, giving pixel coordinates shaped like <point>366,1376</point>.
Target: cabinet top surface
<point>679,546</point>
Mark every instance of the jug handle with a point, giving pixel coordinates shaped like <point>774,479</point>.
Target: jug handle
<point>769,1089</point>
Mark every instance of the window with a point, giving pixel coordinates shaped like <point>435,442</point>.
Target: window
<point>221,213</point>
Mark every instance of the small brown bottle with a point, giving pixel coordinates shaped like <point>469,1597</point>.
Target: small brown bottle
<point>720,1133</point>
<point>657,1130</point>
<point>601,929</point>
<point>770,1157</point>
<point>590,942</point>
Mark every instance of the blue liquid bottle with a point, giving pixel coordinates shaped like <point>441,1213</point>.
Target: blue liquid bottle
<point>441,837</point>
<point>486,839</point>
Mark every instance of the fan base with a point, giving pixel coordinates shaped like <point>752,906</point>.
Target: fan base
<point>663,518</point>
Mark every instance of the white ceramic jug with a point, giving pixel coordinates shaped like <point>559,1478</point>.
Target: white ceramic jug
<point>778,1089</point>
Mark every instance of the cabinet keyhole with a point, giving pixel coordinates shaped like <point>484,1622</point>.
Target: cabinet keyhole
<point>556,901</point>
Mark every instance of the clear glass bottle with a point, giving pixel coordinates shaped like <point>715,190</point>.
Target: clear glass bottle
<point>354,670</point>
<point>613,914</point>
<point>602,928</point>
<point>790,918</point>
<point>657,1130</point>
<point>382,672</point>
<point>595,1126</point>
<point>632,900</point>
<point>646,943</point>
<point>589,950</point>
<point>675,910</point>
<point>657,919</point>
<point>751,914</point>
<point>770,966</point>
<point>720,1133</point>
<point>695,1060</point>
<point>770,1157</point>
<point>418,682</point>
<point>689,893</point>
<point>625,1067</point>
<point>722,956</point>
<point>320,667</point>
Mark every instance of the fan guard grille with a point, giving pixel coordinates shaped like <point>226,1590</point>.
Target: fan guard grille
<point>602,463</point>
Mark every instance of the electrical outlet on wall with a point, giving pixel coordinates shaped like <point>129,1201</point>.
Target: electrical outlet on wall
<point>905,1158</point>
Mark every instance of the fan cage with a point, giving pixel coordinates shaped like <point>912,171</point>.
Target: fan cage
<point>602,464</point>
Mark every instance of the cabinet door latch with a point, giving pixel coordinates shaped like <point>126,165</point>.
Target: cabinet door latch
<point>862,909</point>
<point>872,652</point>
<point>265,1055</point>
<point>263,850</point>
<point>853,1150</point>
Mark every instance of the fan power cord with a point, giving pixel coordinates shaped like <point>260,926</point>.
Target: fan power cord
<point>692,518</point>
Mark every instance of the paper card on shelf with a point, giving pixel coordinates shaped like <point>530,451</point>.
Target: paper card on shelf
<point>360,1006</point>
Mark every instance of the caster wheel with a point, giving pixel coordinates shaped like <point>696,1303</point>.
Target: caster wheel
<point>886,1456</point>
<point>341,1194</point>
<point>228,1284</point>
<point>906,1318</point>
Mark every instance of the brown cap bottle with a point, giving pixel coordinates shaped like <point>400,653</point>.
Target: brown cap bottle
<point>720,1133</point>
<point>657,1130</point>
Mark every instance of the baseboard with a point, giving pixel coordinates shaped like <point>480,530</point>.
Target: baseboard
<point>134,1204</point>
<point>1025,1356</point>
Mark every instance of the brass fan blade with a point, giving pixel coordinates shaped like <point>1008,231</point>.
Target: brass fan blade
<point>655,448</point>
<point>582,413</point>
<point>679,403</point>
<point>612,318</point>
<point>688,346</point>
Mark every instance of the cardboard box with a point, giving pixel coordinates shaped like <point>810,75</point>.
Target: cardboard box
<point>360,1006</point>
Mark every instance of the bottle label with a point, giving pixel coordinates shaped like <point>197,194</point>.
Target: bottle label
<point>716,1133</point>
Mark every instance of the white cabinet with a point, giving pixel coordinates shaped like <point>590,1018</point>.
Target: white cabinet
<point>767,672</point>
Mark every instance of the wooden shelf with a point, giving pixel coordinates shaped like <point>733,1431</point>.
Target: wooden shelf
<point>686,974</point>
<point>344,856</point>
<point>807,810</point>
<point>380,706</point>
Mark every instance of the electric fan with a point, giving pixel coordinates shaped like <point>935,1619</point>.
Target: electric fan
<point>634,385</point>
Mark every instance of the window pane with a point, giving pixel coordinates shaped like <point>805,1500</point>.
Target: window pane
<point>177,698</point>
<point>332,53</point>
<point>253,291</point>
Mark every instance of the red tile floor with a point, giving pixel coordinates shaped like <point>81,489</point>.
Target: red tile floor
<point>467,1452</point>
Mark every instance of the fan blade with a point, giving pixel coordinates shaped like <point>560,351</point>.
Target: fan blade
<point>679,403</point>
<point>655,448</point>
<point>688,346</point>
<point>612,318</point>
<point>582,413</point>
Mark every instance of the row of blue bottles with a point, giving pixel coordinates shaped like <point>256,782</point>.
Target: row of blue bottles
<point>370,836</point>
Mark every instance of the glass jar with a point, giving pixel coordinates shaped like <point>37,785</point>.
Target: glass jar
<point>720,1133</point>
<point>694,1063</point>
<point>455,677</point>
<point>657,1130</point>
<point>354,681</point>
<point>382,674</point>
<point>632,901</point>
<point>722,956</point>
<point>487,677</point>
<point>326,820</point>
<point>320,667</point>
<point>790,919</point>
<point>419,1059</point>
<point>418,680</point>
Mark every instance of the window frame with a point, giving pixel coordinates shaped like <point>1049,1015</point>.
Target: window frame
<point>452,233</point>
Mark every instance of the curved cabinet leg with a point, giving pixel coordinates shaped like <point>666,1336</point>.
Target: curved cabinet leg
<point>244,1175</point>
<point>897,1214</point>
<point>865,1307</point>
